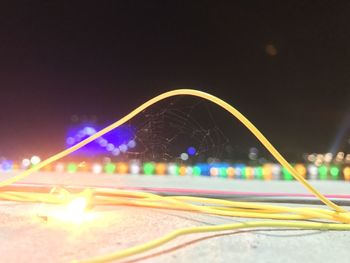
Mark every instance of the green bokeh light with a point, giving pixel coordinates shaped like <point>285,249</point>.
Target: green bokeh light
<point>110,168</point>
<point>148,168</point>
<point>259,173</point>
<point>72,167</point>
<point>196,171</point>
<point>335,171</point>
<point>223,172</point>
<point>323,171</point>
<point>286,174</point>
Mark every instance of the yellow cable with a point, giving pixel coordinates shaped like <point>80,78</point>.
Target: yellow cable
<point>163,96</point>
<point>208,205</point>
<point>203,229</point>
<point>204,205</point>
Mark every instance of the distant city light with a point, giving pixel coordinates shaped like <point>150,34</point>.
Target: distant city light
<point>26,163</point>
<point>109,168</point>
<point>103,143</point>
<point>97,168</point>
<point>59,168</point>
<point>335,171</point>
<point>311,158</point>
<point>346,172</point>
<point>191,151</point>
<point>161,168</point>
<point>313,171</point>
<point>72,167</point>
<point>347,158</point>
<point>110,147</point>
<point>70,140</point>
<point>148,168</point>
<point>184,156</point>
<point>328,157</point>
<point>123,148</point>
<point>35,160</point>
<point>135,168</point>
<point>116,152</point>
<point>189,170</point>
<point>253,153</point>
<point>276,171</point>
<point>196,171</point>
<point>214,171</point>
<point>173,169</point>
<point>89,131</point>
<point>132,144</point>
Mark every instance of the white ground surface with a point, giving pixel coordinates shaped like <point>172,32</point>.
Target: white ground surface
<point>25,237</point>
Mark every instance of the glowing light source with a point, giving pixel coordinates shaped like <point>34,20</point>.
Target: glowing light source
<point>253,153</point>
<point>313,171</point>
<point>230,172</point>
<point>77,205</point>
<point>182,170</point>
<point>328,157</point>
<point>339,157</point>
<point>59,168</point>
<point>214,171</point>
<point>132,144</point>
<point>116,152</point>
<point>160,168</point>
<point>6,166</point>
<point>196,171</point>
<point>84,166</point>
<point>191,151</point>
<point>47,168</point>
<point>222,172</point>
<point>173,169</point>
<point>148,168</point>
<point>347,158</point>
<point>97,168</point>
<point>259,173</point>
<point>311,157</point>
<point>123,148</point>
<point>248,173</point>
<point>70,141</point>
<point>110,147</point>
<point>89,131</point>
<point>122,168</point>
<point>109,168</point>
<point>286,174</point>
<point>72,167</point>
<point>184,156</point>
<point>120,137</point>
<point>239,171</point>
<point>276,171</point>
<point>35,160</point>
<point>334,171</point>
<point>323,171</point>
<point>74,212</point>
<point>300,169</point>
<point>189,170</point>
<point>267,171</point>
<point>25,163</point>
<point>135,167</point>
<point>102,142</point>
<point>346,173</point>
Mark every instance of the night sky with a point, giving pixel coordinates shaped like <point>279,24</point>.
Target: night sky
<point>285,65</point>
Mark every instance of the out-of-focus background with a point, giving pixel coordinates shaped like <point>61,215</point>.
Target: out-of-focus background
<point>69,69</point>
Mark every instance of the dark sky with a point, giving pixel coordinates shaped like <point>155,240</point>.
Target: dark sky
<point>106,57</point>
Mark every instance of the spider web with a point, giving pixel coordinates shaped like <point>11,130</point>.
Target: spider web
<point>165,131</point>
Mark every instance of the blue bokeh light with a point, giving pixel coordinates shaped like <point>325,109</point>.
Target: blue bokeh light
<point>107,144</point>
<point>191,150</point>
